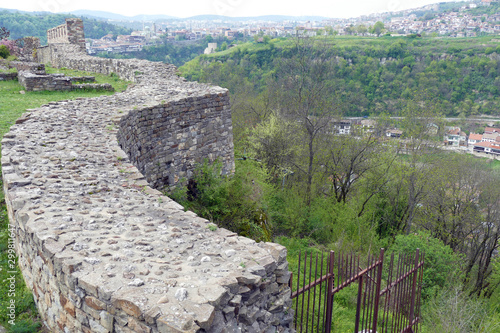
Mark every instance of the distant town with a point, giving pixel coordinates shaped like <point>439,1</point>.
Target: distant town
<point>457,23</point>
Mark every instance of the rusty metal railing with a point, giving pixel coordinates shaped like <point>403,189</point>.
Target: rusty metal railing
<point>387,300</point>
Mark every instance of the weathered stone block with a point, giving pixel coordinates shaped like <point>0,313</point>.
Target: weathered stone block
<point>176,324</point>
<point>213,294</point>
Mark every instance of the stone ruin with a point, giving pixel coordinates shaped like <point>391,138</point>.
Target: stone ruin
<point>32,77</point>
<point>102,249</point>
<point>70,32</point>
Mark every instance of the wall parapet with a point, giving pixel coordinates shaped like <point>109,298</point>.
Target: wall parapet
<point>102,250</point>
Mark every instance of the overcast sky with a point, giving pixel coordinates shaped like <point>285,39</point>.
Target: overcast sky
<point>186,8</point>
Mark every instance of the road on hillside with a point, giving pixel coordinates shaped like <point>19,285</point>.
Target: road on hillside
<point>447,119</point>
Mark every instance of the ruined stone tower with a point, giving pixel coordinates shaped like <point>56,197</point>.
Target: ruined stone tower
<point>70,32</point>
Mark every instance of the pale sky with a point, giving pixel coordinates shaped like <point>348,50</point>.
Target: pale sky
<point>236,8</point>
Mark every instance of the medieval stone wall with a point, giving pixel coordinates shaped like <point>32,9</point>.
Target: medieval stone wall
<point>8,76</point>
<point>102,250</point>
<point>166,141</point>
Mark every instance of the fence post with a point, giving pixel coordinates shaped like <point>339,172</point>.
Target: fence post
<point>414,287</point>
<point>377,290</point>
<point>358,305</point>
<point>329,299</point>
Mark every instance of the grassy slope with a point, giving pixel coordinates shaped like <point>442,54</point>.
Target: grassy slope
<point>431,44</point>
<point>12,105</point>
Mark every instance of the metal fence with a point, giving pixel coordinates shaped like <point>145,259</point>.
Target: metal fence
<point>387,298</point>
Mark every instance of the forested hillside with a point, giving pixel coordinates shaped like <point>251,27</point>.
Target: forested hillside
<point>302,184</point>
<point>36,25</point>
<point>374,75</point>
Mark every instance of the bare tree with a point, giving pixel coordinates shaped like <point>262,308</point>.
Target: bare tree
<point>354,160</point>
<point>484,242</point>
<point>4,33</point>
<point>462,210</point>
<point>305,95</point>
<point>418,116</point>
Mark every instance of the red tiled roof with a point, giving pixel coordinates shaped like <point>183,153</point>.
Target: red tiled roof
<point>492,130</point>
<point>487,145</point>
<point>455,131</point>
<point>475,136</point>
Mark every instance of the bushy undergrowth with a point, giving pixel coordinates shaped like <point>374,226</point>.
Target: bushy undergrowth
<point>442,266</point>
<point>236,202</point>
<point>453,310</point>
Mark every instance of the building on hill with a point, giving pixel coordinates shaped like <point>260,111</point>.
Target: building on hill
<point>490,130</point>
<point>368,126</point>
<point>490,137</point>
<point>394,133</point>
<point>343,127</point>
<point>211,48</point>
<point>474,138</point>
<point>492,148</point>
<point>455,137</point>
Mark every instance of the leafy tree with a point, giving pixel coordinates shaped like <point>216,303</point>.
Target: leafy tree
<point>353,163</point>
<point>377,28</point>
<point>361,29</point>
<point>350,30</point>
<point>10,45</point>
<point>271,142</point>
<point>442,265</point>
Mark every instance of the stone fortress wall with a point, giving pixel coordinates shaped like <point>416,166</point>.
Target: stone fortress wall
<point>101,248</point>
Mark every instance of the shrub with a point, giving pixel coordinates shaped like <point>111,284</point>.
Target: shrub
<point>233,202</point>
<point>10,45</point>
<point>4,52</point>
<point>442,265</point>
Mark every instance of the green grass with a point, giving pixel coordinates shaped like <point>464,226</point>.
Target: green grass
<point>112,79</point>
<point>494,164</point>
<point>9,70</point>
<point>427,44</point>
<point>12,105</point>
